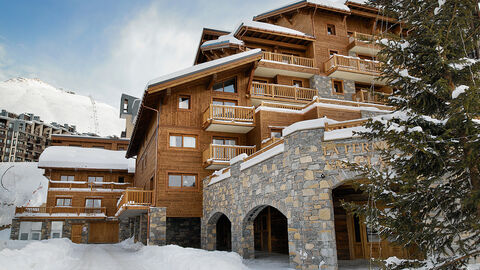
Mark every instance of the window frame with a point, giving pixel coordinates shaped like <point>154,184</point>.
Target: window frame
<point>235,83</point>
<point>333,27</point>
<point>341,84</point>
<point>94,199</point>
<point>182,188</point>
<point>332,52</point>
<point>68,176</point>
<point>96,176</point>
<point>297,81</point>
<point>183,141</point>
<point>189,102</point>
<point>63,198</point>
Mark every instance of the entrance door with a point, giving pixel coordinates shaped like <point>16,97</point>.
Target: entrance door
<point>76,236</point>
<point>103,232</point>
<point>365,242</point>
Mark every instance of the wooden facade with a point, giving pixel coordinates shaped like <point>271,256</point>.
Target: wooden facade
<point>90,141</point>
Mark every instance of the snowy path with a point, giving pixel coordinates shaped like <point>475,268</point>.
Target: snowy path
<point>105,257</point>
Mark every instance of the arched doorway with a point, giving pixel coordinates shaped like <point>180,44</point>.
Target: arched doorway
<point>270,231</point>
<point>224,234</point>
<point>354,238</point>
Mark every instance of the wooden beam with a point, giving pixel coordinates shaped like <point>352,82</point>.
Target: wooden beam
<point>250,78</point>
<point>212,81</point>
<point>278,43</point>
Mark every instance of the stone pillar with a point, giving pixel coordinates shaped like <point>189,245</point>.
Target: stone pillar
<point>46,226</point>
<point>15,229</point>
<point>158,226</point>
<point>244,240</point>
<point>124,229</point>
<point>143,228</point>
<point>136,228</point>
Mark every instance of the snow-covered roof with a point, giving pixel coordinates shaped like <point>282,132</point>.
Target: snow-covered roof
<point>85,158</point>
<point>203,66</point>
<point>225,39</point>
<point>271,27</point>
<point>334,4</point>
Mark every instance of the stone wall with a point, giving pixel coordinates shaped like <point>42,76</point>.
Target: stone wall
<point>123,229</point>
<point>325,89</point>
<point>158,226</point>
<point>184,232</point>
<point>298,183</point>
<point>15,229</point>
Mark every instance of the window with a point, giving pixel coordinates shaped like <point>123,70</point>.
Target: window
<point>228,86</point>
<point>224,102</point>
<point>93,203</point>
<point>331,30</point>
<point>276,133</point>
<point>64,201</point>
<point>120,148</point>
<point>297,83</point>
<point>56,231</point>
<point>182,180</point>
<point>185,141</point>
<point>224,141</point>
<point>67,178</point>
<point>184,102</point>
<point>30,230</point>
<point>337,87</point>
<point>125,105</point>
<point>332,52</point>
<point>93,179</point>
<point>121,179</point>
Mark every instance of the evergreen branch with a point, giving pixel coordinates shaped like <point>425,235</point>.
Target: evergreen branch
<point>474,253</point>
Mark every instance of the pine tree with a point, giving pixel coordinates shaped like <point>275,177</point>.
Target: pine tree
<point>429,188</point>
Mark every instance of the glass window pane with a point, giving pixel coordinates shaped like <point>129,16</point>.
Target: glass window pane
<point>184,102</point>
<point>89,203</point>
<point>97,203</point>
<point>189,142</point>
<point>91,179</point>
<point>227,103</point>
<point>63,178</point>
<point>55,235</point>
<point>99,179</point>
<point>174,180</point>
<point>35,236</point>
<point>218,87</point>
<point>59,202</point>
<point>230,142</point>
<point>24,236</point>
<point>71,178</point>
<point>176,141</point>
<point>217,102</point>
<point>189,180</point>
<point>67,202</point>
<point>229,86</point>
<point>218,141</point>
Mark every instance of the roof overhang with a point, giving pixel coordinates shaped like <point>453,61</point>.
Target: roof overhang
<point>207,34</point>
<point>265,34</point>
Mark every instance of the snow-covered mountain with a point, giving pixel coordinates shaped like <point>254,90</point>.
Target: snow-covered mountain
<point>21,95</point>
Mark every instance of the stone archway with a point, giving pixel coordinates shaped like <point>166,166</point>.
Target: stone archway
<point>265,229</point>
<point>219,232</point>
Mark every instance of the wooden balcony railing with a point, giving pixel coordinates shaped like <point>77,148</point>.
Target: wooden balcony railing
<point>229,113</point>
<point>136,197</point>
<point>60,210</point>
<point>282,91</point>
<point>361,37</point>
<point>347,124</point>
<point>289,59</point>
<point>371,97</point>
<point>217,152</point>
<point>91,186</point>
<point>352,64</point>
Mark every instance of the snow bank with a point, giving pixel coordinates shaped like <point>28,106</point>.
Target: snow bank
<point>218,176</point>
<point>81,158</point>
<point>23,185</point>
<point>39,255</point>
<point>263,156</point>
<point>22,95</point>
<point>307,124</point>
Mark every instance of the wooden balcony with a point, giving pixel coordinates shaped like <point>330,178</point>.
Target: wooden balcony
<point>134,202</point>
<point>218,156</point>
<point>66,211</point>
<point>375,97</point>
<point>353,68</point>
<point>231,119</point>
<point>273,64</point>
<point>361,43</point>
<point>268,91</point>
<point>345,124</point>
<point>96,186</point>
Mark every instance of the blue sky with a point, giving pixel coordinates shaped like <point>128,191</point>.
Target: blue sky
<point>105,47</point>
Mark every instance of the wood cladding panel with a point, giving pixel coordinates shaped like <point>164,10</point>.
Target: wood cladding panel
<point>103,232</point>
<point>109,199</point>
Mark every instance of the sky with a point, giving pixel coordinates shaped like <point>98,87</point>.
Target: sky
<point>104,48</point>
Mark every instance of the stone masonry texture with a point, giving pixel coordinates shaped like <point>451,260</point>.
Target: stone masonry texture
<point>324,86</point>
<point>158,226</point>
<point>184,232</point>
<point>297,182</point>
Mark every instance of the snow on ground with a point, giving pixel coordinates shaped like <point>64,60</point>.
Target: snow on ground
<point>22,95</point>
<point>22,185</point>
<point>63,254</point>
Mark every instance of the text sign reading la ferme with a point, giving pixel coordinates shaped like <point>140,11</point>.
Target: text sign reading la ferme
<point>359,153</point>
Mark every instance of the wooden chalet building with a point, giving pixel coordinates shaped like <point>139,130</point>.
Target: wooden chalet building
<point>87,176</point>
<point>239,152</point>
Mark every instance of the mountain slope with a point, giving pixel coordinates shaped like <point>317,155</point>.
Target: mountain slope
<point>22,95</point>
